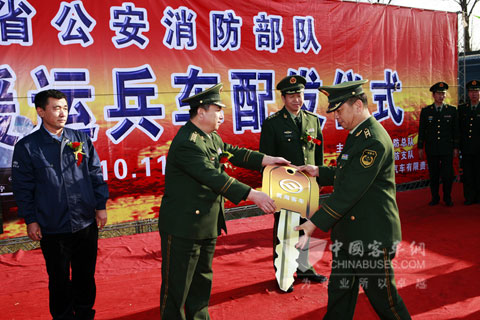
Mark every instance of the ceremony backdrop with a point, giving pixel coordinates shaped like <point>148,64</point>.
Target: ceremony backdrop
<point>125,66</point>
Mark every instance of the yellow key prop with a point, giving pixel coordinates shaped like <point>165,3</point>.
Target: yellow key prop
<point>295,194</point>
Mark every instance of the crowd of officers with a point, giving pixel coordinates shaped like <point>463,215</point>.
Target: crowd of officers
<point>445,133</point>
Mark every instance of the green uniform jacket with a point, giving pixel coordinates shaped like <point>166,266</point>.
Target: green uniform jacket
<point>362,205</point>
<point>280,137</point>
<point>438,131</point>
<point>469,129</point>
<point>196,184</point>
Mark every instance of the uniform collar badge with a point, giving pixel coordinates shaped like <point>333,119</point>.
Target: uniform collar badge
<point>367,133</point>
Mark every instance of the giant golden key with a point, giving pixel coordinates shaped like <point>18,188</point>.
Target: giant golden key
<point>295,193</point>
<point>291,189</point>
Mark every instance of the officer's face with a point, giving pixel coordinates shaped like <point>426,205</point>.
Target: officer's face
<point>439,97</point>
<point>211,118</point>
<point>293,102</point>
<point>348,114</point>
<point>474,96</point>
<point>55,115</point>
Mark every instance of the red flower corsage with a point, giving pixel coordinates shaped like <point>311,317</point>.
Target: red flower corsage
<point>225,156</point>
<point>224,160</point>
<point>77,148</point>
<point>309,139</point>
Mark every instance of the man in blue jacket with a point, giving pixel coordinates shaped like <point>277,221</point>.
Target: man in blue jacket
<point>60,192</point>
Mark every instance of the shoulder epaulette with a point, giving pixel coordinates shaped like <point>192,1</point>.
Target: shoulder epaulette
<point>193,137</point>
<point>310,113</point>
<point>273,115</point>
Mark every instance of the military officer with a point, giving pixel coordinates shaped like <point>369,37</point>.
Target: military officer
<point>296,135</point>
<point>192,213</point>
<point>438,132</point>
<point>469,119</point>
<point>362,212</point>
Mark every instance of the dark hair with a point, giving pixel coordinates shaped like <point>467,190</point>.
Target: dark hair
<point>362,97</point>
<point>41,98</point>
<point>194,110</point>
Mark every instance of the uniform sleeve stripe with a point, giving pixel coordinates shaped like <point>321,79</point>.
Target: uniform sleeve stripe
<point>247,155</point>
<point>332,212</point>
<point>331,215</point>
<point>227,185</point>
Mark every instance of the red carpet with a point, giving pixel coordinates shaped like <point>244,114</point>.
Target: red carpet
<point>437,271</point>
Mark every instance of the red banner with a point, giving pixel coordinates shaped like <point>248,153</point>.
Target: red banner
<point>125,66</point>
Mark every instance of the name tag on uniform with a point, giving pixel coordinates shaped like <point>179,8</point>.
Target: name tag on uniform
<point>430,118</point>
<point>344,156</point>
<point>447,116</point>
<point>311,130</point>
<point>288,134</point>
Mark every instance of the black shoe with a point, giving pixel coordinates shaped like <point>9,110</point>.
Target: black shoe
<point>433,203</point>
<point>468,202</point>
<point>290,289</point>
<point>311,275</point>
<point>449,203</point>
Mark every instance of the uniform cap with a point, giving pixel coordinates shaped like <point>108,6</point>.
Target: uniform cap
<point>439,87</point>
<point>339,93</point>
<point>473,85</point>
<point>292,84</point>
<point>206,97</point>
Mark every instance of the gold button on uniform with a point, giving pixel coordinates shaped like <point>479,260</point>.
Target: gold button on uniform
<point>197,211</point>
<point>352,218</point>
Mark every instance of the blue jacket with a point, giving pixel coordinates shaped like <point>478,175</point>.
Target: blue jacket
<point>50,188</point>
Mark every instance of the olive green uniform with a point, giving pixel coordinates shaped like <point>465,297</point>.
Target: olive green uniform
<point>192,216</point>
<point>363,217</point>
<point>282,137</point>
<point>438,132</point>
<point>469,122</point>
